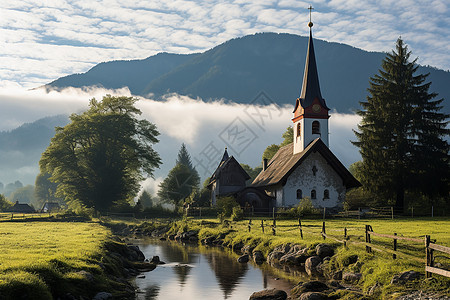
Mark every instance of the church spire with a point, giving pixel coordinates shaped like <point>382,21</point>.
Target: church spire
<point>310,87</point>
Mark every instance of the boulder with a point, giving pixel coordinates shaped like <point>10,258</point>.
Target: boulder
<point>155,260</point>
<point>336,284</point>
<point>247,249</point>
<point>313,296</point>
<point>324,250</point>
<point>134,253</point>
<point>310,265</point>
<point>243,259</point>
<point>373,290</point>
<point>272,294</point>
<point>258,257</point>
<point>405,277</point>
<point>86,275</point>
<point>102,296</point>
<point>351,277</point>
<point>337,275</point>
<point>274,256</point>
<point>238,246</point>
<point>306,287</point>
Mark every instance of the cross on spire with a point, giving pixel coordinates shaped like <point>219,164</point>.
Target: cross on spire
<point>310,24</point>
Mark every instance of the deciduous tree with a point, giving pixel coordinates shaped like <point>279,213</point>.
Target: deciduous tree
<point>100,157</point>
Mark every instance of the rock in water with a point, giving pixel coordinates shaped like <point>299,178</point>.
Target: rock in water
<point>272,294</point>
<point>243,259</point>
<point>311,264</point>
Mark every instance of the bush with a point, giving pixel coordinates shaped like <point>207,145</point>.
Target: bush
<point>225,206</point>
<point>304,208</point>
<point>237,214</point>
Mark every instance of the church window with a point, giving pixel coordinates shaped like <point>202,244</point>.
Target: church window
<point>326,194</point>
<point>299,130</point>
<point>315,127</point>
<point>313,194</point>
<point>299,194</point>
<point>314,170</point>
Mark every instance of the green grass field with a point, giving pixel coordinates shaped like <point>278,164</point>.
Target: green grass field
<point>36,257</point>
<point>375,266</point>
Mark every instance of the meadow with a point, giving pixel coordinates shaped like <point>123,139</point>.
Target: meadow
<point>376,267</point>
<point>41,259</point>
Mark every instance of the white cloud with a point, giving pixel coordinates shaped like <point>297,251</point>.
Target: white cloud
<point>64,37</point>
<point>206,127</point>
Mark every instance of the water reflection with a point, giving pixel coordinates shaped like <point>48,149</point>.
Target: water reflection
<point>193,272</point>
<point>227,270</point>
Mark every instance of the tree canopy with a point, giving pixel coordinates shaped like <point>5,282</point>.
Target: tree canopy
<point>181,181</point>
<point>271,150</point>
<point>100,157</point>
<point>400,137</point>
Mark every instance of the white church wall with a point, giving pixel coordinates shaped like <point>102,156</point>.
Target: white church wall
<point>325,178</point>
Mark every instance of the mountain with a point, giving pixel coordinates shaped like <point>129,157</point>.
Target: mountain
<point>21,148</point>
<point>239,69</point>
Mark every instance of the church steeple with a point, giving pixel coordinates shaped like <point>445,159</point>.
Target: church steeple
<point>310,112</point>
<point>310,86</point>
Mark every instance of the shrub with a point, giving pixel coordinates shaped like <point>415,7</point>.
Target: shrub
<point>237,214</point>
<point>225,206</point>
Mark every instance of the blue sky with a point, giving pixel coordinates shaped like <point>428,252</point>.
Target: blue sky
<point>43,40</point>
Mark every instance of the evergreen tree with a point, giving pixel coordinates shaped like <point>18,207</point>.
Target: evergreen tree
<point>401,123</point>
<point>179,184</point>
<point>145,200</point>
<point>184,157</point>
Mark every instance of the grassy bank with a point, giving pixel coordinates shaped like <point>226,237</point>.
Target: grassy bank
<point>42,260</point>
<point>376,267</point>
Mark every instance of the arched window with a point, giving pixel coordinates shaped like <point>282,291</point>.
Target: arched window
<point>299,194</point>
<point>299,130</point>
<point>313,194</point>
<point>326,194</point>
<point>315,127</point>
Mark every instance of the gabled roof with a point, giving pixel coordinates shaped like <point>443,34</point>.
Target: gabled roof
<point>285,162</point>
<point>310,87</point>
<point>223,164</point>
<point>21,208</point>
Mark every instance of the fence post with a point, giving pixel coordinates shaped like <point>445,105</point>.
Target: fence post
<point>368,248</point>
<point>359,213</point>
<point>12,216</point>
<point>323,230</point>
<point>345,237</point>
<point>324,212</point>
<point>300,228</point>
<point>249,225</point>
<point>432,211</point>
<point>429,255</point>
<point>392,212</point>
<point>200,213</point>
<point>394,256</point>
<point>273,213</point>
<point>262,225</point>
<point>412,211</point>
<point>274,226</point>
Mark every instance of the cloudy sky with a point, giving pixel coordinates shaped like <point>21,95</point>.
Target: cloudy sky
<point>43,40</point>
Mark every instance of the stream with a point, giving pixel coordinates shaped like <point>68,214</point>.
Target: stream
<point>200,272</point>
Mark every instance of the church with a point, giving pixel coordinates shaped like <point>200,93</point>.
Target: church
<point>306,167</point>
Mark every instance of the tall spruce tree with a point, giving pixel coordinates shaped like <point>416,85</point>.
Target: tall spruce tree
<point>181,180</point>
<point>400,135</point>
<point>184,157</point>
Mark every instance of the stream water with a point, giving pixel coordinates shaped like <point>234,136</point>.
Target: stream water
<point>199,272</point>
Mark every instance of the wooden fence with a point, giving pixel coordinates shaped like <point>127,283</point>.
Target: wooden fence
<point>344,238</point>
